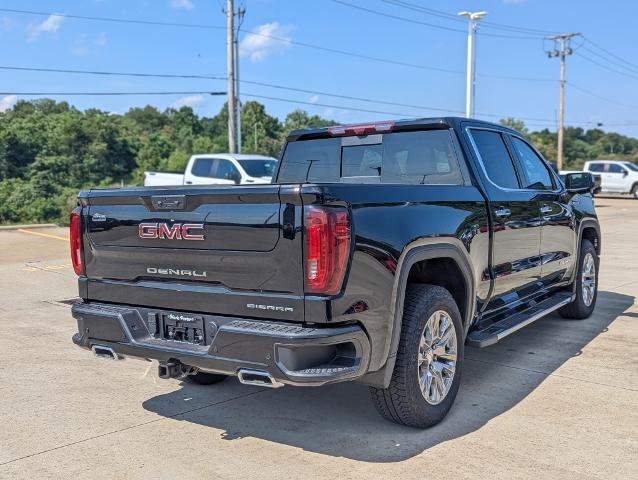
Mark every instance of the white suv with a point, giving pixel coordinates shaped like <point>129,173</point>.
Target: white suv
<point>617,176</point>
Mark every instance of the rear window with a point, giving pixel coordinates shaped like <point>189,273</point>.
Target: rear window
<point>596,167</point>
<point>422,157</point>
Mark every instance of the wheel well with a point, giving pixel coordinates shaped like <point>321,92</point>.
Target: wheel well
<point>634,186</point>
<point>591,234</point>
<point>445,273</point>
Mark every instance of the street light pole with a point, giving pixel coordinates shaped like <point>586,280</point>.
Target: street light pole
<point>472,17</point>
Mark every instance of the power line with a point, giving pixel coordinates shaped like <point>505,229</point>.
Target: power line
<point>623,65</point>
<point>256,83</point>
<point>606,99</point>
<point>120,74</point>
<point>65,94</point>
<point>431,25</point>
<point>606,67</point>
<point>114,19</point>
<point>453,17</point>
<point>302,102</point>
<point>633,65</point>
<point>285,40</point>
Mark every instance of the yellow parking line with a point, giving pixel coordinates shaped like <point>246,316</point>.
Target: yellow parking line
<point>31,232</point>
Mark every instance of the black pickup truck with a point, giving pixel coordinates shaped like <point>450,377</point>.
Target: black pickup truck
<point>379,251</point>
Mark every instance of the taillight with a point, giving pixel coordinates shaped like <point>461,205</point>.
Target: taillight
<point>327,248</point>
<point>75,236</point>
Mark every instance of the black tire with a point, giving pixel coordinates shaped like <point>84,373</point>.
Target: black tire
<point>203,378</point>
<point>402,401</point>
<point>578,309</point>
<point>634,191</point>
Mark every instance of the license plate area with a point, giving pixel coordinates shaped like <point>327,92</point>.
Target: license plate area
<point>180,327</point>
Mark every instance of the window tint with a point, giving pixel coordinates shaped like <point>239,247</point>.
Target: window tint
<point>224,169</point>
<point>403,157</point>
<point>259,168</point>
<point>202,167</point>
<point>538,176</point>
<point>426,157</point>
<point>496,159</point>
<point>596,167</point>
<point>361,160</point>
<point>311,160</point>
<point>615,168</point>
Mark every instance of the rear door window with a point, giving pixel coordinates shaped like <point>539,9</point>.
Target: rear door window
<point>203,167</point>
<point>596,167</point>
<point>419,157</point>
<point>495,157</point>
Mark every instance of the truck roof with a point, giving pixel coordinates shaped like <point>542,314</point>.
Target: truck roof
<point>407,124</point>
<point>235,156</point>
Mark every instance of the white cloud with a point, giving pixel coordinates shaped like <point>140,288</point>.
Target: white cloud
<point>193,101</point>
<point>8,102</point>
<point>50,25</point>
<point>185,4</point>
<point>265,40</point>
<point>314,99</point>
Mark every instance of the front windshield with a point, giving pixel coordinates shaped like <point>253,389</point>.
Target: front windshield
<point>631,166</point>
<point>258,167</point>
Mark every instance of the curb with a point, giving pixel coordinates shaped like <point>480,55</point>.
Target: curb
<point>34,225</point>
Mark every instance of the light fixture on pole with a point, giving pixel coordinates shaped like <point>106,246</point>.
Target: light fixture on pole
<point>472,17</point>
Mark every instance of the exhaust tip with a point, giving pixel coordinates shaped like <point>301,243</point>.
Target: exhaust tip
<point>259,378</point>
<point>100,351</point>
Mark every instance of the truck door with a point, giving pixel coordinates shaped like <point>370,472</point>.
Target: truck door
<point>615,178</point>
<point>210,171</point>
<point>558,237</point>
<point>515,261</point>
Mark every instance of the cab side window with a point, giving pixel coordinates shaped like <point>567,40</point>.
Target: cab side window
<point>202,167</point>
<point>535,170</point>
<point>596,167</point>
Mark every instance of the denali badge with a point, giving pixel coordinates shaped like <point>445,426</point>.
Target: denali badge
<point>175,271</point>
<point>176,231</point>
<point>269,307</point>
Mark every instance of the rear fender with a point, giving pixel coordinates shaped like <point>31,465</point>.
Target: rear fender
<point>423,249</point>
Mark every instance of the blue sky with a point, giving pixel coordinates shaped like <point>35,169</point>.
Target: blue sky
<point>67,43</point>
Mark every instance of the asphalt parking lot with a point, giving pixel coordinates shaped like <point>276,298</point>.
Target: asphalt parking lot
<point>558,399</point>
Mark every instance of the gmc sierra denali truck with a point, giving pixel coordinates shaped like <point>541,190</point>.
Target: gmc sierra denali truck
<point>379,251</point>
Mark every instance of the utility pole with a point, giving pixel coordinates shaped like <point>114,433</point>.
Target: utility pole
<point>561,49</point>
<point>230,64</point>
<point>241,11</point>
<point>472,17</point>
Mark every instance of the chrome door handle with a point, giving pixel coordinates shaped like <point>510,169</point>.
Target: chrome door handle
<point>546,209</point>
<point>502,212</point>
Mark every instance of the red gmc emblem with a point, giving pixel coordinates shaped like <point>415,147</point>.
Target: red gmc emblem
<point>176,231</point>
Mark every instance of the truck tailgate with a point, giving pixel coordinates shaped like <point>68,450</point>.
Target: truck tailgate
<point>223,250</point>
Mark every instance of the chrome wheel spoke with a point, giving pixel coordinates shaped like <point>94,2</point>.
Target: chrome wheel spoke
<point>588,279</point>
<point>437,356</point>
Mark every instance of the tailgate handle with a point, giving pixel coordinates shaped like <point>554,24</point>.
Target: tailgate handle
<point>169,202</point>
